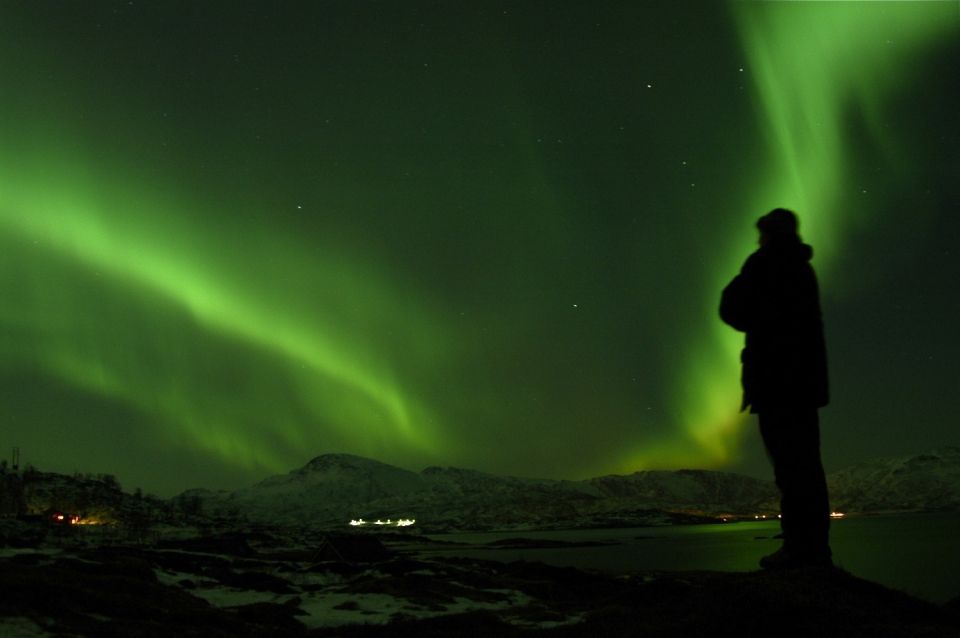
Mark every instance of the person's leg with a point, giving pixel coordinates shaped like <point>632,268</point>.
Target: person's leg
<point>811,507</point>
<point>792,440</point>
<point>775,435</point>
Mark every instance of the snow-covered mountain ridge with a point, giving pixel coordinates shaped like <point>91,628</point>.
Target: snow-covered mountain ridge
<point>332,489</point>
<point>920,482</point>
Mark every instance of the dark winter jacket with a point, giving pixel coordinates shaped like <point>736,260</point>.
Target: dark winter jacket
<point>775,301</point>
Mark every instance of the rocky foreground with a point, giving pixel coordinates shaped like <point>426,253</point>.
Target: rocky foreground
<point>261,584</point>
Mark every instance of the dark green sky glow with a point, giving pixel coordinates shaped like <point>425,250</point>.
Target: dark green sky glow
<point>235,235</point>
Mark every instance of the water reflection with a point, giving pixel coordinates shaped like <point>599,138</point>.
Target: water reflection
<point>914,553</point>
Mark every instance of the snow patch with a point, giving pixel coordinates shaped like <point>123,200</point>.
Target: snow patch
<point>22,627</point>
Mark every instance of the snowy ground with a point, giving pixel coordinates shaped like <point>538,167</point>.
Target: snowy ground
<point>22,627</point>
<point>257,584</point>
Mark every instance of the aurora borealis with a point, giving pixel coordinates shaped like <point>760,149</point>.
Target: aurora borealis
<point>236,235</point>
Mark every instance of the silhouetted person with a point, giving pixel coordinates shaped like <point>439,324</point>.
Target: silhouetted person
<point>775,301</point>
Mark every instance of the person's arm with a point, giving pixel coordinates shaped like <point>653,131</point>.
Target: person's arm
<point>737,302</point>
<point>734,303</point>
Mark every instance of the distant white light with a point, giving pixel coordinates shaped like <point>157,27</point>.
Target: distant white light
<point>400,522</point>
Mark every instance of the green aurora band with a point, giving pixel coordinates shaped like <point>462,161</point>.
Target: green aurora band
<point>328,372</point>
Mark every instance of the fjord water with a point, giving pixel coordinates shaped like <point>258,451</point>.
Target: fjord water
<point>915,553</point>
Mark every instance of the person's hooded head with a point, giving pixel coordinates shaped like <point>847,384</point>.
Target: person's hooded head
<point>777,226</point>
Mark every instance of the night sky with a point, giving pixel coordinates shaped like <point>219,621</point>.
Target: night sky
<point>236,235</point>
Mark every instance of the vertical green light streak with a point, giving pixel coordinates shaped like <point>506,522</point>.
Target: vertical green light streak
<point>815,66</point>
